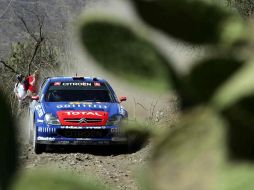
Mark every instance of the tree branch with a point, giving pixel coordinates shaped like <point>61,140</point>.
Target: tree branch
<point>26,27</point>
<point>38,39</point>
<point>9,67</point>
<point>40,23</point>
<point>37,45</point>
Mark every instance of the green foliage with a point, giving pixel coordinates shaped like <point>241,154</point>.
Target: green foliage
<point>236,101</point>
<point>42,179</point>
<point>124,51</point>
<point>191,154</point>
<point>241,132</point>
<point>195,21</point>
<point>234,177</point>
<point>8,148</point>
<point>214,72</point>
<point>240,86</point>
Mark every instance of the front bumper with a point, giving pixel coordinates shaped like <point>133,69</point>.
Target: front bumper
<point>73,135</point>
<point>70,141</point>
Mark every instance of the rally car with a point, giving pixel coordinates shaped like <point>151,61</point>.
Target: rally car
<point>76,111</point>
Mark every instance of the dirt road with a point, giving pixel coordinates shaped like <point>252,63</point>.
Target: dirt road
<point>111,166</point>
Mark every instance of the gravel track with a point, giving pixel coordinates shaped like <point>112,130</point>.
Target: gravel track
<point>112,166</point>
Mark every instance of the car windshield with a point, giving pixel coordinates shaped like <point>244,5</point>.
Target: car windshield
<point>78,94</point>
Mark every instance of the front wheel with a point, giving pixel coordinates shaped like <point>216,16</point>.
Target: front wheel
<point>38,148</point>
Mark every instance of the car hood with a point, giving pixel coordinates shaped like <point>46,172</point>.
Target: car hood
<point>54,107</point>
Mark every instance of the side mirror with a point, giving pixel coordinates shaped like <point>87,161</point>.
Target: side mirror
<point>122,99</point>
<point>35,98</point>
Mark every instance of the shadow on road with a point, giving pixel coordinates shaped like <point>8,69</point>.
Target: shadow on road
<point>101,150</point>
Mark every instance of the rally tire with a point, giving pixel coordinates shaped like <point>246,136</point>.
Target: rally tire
<point>38,148</point>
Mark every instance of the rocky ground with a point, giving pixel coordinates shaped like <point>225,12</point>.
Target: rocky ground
<point>112,166</point>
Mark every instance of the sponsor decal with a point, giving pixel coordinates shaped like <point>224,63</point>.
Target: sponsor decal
<point>63,142</point>
<point>39,120</point>
<point>39,110</point>
<point>119,139</point>
<point>83,105</point>
<point>97,84</point>
<point>82,113</point>
<point>82,141</point>
<point>90,142</point>
<point>77,103</point>
<point>46,138</point>
<point>83,127</point>
<point>115,130</point>
<point>57,83</point>
<point>82,133</point>
<point>76,84</point>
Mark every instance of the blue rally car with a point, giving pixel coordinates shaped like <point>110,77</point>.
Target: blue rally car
<point>76,111</point>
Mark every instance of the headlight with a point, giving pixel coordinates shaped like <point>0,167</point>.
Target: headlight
<point>114,120</point>
<point>51,120</point>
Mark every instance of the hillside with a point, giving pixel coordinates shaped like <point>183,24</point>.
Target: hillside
<point>57,14</point>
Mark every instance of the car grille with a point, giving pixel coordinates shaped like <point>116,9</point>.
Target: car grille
<point>83,133</point>
<point>82,120</point>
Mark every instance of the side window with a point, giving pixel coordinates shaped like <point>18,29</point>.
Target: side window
<point>111,92</point>
<point>42,86</point>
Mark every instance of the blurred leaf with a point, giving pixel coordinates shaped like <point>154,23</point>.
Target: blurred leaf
<point>241,130</point>
<point>123,50</point>
<point>235,100</point>
<point>206,77</point>
<point>41,179</point>
<point>195,21</point>
<point>190,156</point>
<point>236,176</point>
<point>239,86</point>
<point>8,146</point>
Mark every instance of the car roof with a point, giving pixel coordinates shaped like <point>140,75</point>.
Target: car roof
<point>76,79</point>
